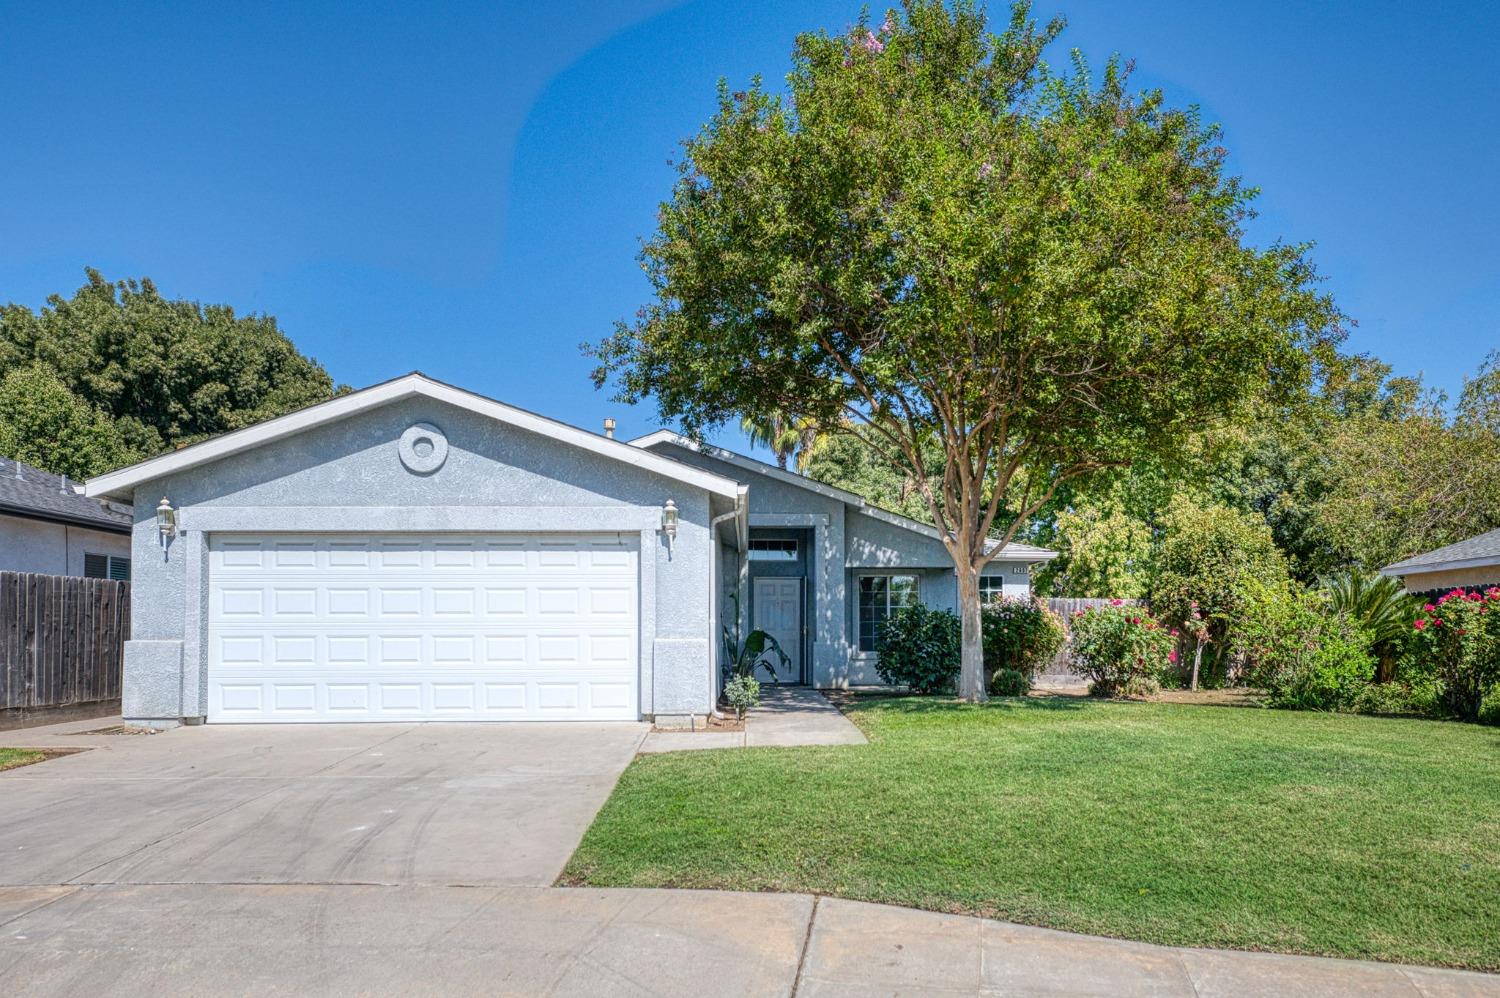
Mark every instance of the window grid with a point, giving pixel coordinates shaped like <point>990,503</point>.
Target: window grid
<point>878,596</point>
<point>773,549</point>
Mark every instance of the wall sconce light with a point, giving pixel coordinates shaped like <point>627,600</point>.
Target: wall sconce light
<point>166,519</point>
<point>669,522</point>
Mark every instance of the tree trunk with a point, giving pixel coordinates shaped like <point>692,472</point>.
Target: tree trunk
<point>1197,661</point>
<point>971,667</point>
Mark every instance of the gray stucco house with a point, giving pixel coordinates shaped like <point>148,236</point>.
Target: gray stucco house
<point>47,527</point>
<point>414,551</point>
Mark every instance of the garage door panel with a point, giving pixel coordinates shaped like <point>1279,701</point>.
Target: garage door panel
<point>344,627</point>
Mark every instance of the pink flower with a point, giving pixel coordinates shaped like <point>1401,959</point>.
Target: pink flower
<point>887,26</point>
<point>1116,602</point>
<point>1420,624</point>
<point>872,44</point>
<point>1173,632</point>
<point>985,169</point>
<point>1172,656</point>
<point>1437,621</point>
<point>1429,607</point>
<point>1474,598</point>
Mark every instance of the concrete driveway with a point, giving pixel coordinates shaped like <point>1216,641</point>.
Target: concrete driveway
<point>483,805</point>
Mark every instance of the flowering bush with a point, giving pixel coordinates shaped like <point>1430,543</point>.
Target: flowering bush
<point>1460,635</point>
<point>1122,649</point>
<point>1305,656</point>
<point>920,648</point>
<point>1020,634</point>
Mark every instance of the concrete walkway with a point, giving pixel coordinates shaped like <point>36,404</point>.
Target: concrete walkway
<point>328,939</point>
<point>787,716</point>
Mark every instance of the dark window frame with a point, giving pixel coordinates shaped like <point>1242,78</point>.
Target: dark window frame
<point>774,549</point>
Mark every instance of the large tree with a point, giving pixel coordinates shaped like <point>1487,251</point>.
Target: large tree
<point>933,237</point>
<point>162,371</point>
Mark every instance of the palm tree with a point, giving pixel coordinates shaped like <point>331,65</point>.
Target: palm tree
<point>1379,605</point>
<point>785,435</point>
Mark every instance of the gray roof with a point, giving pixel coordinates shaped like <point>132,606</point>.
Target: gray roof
<point>41,495</point>
<point>1483,549</point>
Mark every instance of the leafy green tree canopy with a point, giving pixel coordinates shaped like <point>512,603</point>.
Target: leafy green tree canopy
<point>935,237</point>
<point>44,424</point>
<point>163,372</point>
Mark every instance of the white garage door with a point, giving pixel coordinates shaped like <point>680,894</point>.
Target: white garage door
<point>392,627</point>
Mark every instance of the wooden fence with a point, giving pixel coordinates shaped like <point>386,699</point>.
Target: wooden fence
<point>62,639</point>
<point>1061,671</point>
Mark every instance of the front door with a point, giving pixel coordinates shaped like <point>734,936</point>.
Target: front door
<point>778,612</point>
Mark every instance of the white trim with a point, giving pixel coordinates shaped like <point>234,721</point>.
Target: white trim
<point>1024,552</point>
<point>121,484</point>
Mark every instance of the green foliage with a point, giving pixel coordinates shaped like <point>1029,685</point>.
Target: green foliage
<point>1208,554</point>
<point>1489,707</point>
<point>1121,649</point>
<point>742,693</point>
<point>1460,635</point>
<point>1009,683</point>
<point>1305,656</point>
<point>918,647</point>
<point>44,424</point>
<point>846,462</point>
<point>161,372</point>
<point>1400,486</point>
<point>1378,606</point>
<point>928,190</point>
<point>743,657</point>
<point>1021,635</point>
<point>1103,551</point>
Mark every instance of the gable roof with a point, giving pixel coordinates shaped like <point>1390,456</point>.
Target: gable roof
<point>41,495</point>
<point>1014,551</point>
<point>1473,552</point>
<point>121,483</point>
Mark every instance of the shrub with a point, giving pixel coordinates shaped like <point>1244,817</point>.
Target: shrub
<point>1009,683</point>
<point>1132,687</point>
<point>1460,634</point>
<point>1489,707</point>
<point>1304,655</point>
<point>1021,635</point>
<point>1207,555</point>
<point>1393,698</point>
<point>742,693</point>
<point>1117,645</point>
<point>920,648</point>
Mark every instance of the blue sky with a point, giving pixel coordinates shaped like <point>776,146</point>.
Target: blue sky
<point>462,188</point>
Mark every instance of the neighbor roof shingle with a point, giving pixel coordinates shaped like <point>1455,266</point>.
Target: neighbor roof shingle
<point>1482,546</point>
<point>28,491</point>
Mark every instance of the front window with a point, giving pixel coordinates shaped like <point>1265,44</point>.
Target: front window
<point>878,596</point>
<point>991,588</point>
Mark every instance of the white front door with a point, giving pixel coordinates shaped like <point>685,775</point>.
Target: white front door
<point>392,627</point>
<point>778,612</point>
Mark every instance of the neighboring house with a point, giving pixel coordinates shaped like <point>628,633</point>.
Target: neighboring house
<point>47,526</point>
<point>414,551</point>
<point>1469,563</point>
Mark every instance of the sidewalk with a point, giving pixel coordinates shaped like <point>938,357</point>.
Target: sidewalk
<point>787,716</point>
<point>382,939</point>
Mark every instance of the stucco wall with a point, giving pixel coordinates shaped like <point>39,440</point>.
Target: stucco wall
<point>1421,582</point>
<point>28,545</point>
<point>348,476</point>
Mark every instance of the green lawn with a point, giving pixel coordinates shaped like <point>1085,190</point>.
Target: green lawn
<point>10,758</point>
<point>1200,826</point>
